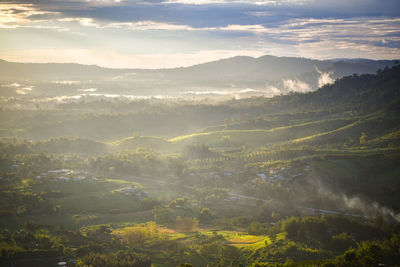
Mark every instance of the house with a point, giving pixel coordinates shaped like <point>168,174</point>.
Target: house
<point>328,212</point>
<point>141,195</point>
<point>311,211</point>
<point>228,173</point>
<point>262,176</point>
<point>129,190</point>
<point>295,175</point>
<point>64,171</point>
<point>80,177</point>
<point>63,178</point>
<point>281,177</point>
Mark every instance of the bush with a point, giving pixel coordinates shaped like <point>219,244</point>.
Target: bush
<point>120,259</point>
<point>186,224</point>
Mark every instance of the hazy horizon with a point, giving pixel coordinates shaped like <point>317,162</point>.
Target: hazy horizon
<point>200,63</point>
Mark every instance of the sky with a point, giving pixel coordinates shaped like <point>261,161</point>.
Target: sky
<point>178,33</point>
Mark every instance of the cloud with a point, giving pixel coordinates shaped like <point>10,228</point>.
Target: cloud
<point>368,208</point>
<point>324,78</point>
<point>66,82</point>
<point>247,28</point>
<point>24,90</point>
<point>295,85</point>
<point>151,25</point>
<point>272,91</point>
<point>14,15</point>
<point>87,22</point>
<point>342,49</point>
<point>89,90</point>
<point>250,2</point>
<point>15,85</point>
<point>154,28</point>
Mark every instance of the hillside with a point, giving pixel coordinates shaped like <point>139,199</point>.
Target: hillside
<point>303,179</point>
<point>371,99</point>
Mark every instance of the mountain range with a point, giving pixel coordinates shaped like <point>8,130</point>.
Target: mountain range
<point>267,75</point>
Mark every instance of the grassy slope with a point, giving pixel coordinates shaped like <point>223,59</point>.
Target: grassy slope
<point>132,143</point>
<point>259,137</point>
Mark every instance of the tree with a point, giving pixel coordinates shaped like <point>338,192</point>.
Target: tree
<point>256,228</point>
<point>177,203</point>
<point>121,259</point>
<point>363,139</point>
<point>186,224</point>
<point>163,215</point>
<point>197,151</point>
<point>135,236</point>
<point>205,215</point>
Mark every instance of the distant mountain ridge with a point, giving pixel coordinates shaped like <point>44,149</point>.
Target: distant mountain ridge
<point>240,72</point>
<point>271,66</point>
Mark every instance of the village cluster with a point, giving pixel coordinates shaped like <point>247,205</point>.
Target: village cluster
<point>284,174</point>
<point>65,175</point>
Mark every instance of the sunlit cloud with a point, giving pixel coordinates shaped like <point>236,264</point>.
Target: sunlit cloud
<point>88,90</point>
<point>15,85</point>
<point>135,26</point>
<point>341,49</point>
<point>14,15</point>
<point>151,25</point>
<point>245,28</point>
<point>296,85</point>
<point>67,82</point>
<point>24,90</point>
<point>324,78</point>
<point>88,22</point>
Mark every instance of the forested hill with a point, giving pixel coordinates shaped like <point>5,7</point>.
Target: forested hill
<point>270,68</point>
<point>112,121</point>
<point>367,92</point>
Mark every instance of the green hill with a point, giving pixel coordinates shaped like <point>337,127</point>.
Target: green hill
<point>132,143</point>
<point>261,137</point>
